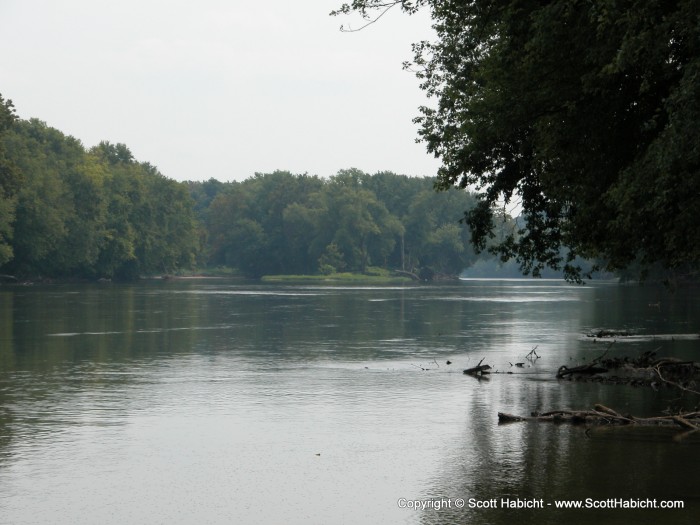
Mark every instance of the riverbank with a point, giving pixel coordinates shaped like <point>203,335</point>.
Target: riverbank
<point>344,278</point>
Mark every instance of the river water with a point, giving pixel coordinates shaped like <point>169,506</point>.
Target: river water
<point>209,401</point>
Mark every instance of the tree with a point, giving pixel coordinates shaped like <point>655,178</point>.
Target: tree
<point>583,113</point>
<point>433,235</point>
<point>151,227</point>
<point>365,231</point>
<point>301,225</point>
<point>86,223</point>
<point>9,182</point>
<point>123,190</point>
<point>331,260</point>
<point>226,209</point>
<point>167,232</point>
<point>284,223</point>
<point>55,231</point>
<point>270,194</point>
<point>236,238</point>
<point>203,193</point>
<point>74,213</point>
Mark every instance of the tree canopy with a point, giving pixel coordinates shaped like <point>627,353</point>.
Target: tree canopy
<point>299,224</point>
<point>9,182</point>
<point>69,212</point>
<point>584,114</point>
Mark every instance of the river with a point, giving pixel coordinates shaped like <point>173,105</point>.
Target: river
<point>211,401</point>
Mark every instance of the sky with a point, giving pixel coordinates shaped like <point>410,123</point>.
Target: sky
<point>220,88</point>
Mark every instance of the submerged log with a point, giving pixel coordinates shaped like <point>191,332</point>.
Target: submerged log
<point>682,421</point>
<point>602,408</point>
<point>601,334</point>
<point>478,370</point>
<point>602,415</point>
<point>509,418</point>
<point>591,368</point>
<point>644,370</point>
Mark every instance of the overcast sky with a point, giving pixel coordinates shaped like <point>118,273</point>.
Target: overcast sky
<point>220,88</point>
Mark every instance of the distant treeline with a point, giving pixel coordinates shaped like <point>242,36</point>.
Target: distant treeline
<point>98,212</point>
<point>300,224</point>
<point>71,212</point>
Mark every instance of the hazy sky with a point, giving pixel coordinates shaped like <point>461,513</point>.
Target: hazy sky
<point>220,88</point>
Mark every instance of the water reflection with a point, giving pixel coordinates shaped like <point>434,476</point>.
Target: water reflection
<point>188,401</point>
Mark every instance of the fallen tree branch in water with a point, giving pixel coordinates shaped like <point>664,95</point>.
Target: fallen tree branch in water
<point>601,334</point>
<point>590,368</point>
<point>479,369</point>
<point>532,355</point>
<point>425,369</point>
<point>602,415</point>
<point>657,369</point>
<point>685,423</point>
<point>645,370</point>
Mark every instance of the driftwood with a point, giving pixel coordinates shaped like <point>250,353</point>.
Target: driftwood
<point>590,368</point>
<point>602,334</point>
<point>645,370</point>
<point>479,369</point>
<point>426,368</point>
<point>683,368</point>
<point>532,355</point>
<point>602,415</point>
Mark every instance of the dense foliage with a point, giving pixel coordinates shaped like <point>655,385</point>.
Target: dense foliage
<point>585,113</point>
<point>300,224</point>
<point>9,183</point>
<point>71,212</point>
<point>68,212</point>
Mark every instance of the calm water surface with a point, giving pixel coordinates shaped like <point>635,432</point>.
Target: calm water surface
<point>216,402</point>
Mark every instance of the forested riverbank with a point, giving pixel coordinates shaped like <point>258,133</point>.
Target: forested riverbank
<point>70,212</point>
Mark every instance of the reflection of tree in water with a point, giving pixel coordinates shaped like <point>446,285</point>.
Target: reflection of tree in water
<point>493,461</point>
<point>365,323</point>
<point>6,425</point>
<point>69,354</point>
<point>560,462</point>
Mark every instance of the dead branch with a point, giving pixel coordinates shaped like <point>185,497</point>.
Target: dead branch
<point>590,368</point>
<point>602,415</point>
<point>479,369</point>
<point>476,370</point>
<point>683,422</point>
<point>532,355</point>
<point>657,369</point>
<point>366,17</point>
<point>601,356</point>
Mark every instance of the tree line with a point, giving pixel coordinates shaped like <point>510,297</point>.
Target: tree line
<point>67,211</point>
<point>282,223</point>
<point>585,113</point>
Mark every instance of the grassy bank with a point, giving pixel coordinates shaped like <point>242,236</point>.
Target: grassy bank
<point>378,276</point>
